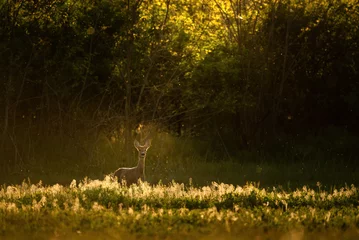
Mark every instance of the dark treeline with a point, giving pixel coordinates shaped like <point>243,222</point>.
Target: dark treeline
<point>248,74</point>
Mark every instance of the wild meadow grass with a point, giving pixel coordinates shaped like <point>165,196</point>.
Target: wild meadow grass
<point>330,159</point>
<point>174,210</point>
<point>193,191</point>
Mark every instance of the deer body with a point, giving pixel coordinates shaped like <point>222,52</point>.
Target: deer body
<point>132,175</point>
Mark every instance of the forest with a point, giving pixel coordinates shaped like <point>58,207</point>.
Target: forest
<point>264,83</point>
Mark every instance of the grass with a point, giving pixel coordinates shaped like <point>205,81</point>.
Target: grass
<point>329,159</point>
<point>267,173</point>
<point>201,193</point>
<point>175,210</point>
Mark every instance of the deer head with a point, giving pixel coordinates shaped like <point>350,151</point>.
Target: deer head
<point>142,149</point>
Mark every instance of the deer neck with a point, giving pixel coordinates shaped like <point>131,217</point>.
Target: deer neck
<point>141,163</point>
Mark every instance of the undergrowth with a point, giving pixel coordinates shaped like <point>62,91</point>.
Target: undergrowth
<point>167,209</point>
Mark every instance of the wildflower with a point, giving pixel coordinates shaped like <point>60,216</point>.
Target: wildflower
<point>54,204</point>
<point>97,207</point>
<point>327,216</point>
<point>11,207</point>
<point>297,194</point>
<point>76,206</point>
<point>73,184</point>
<point>12,192</point>
<point>36,206</point>
<point>169,212</point>
<point>56,189</point>
<point>130,211</point>
<point>42,201</point>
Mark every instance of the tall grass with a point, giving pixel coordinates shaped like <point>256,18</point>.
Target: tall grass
<point>164,211</point>
<point>55,159</point>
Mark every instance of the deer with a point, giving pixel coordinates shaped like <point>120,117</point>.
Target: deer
<point>132,175</point>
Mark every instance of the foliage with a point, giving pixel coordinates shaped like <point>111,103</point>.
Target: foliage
<point>245,75</point>
<point>163,210</point>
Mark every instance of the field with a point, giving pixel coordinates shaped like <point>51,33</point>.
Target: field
<point>94,209</point>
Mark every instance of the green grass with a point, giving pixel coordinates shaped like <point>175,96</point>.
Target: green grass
<point>289,163</point>
<point>268,173</point>
<point>329,159</point>
<point>276,206</point>
<point>175,210</point>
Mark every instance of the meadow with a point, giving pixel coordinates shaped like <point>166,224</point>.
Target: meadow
<point>107,210</point>
<point>192,192</point>
<point>251,106</point>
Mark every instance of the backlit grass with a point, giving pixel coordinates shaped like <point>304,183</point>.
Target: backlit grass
<point>173,210</point>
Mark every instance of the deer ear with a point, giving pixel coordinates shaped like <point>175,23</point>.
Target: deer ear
<point>148,143</point>
<point>136,143</point>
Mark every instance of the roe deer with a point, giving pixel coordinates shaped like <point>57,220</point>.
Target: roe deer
<point>132,175</point>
